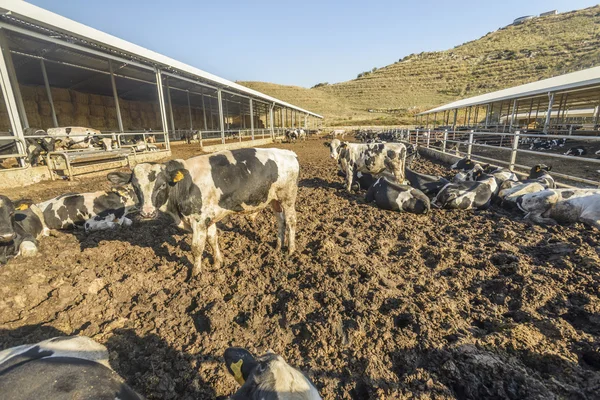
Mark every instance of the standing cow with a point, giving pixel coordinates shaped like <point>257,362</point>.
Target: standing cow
<point>372,158</point>
<point>201,191</point>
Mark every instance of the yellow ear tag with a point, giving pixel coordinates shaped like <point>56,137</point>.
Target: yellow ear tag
<point>22,207</point>
<point>537,169</point>
<point>237,371</point>
<point>178,176</point>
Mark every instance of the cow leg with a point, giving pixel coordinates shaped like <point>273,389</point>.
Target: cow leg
<point>213,241</point>
<point>538,219</point>
<point>27,249</point>
<point>276,206</point>
<point>289,211</point>
<point>349,176</point>
<point>198,243</point>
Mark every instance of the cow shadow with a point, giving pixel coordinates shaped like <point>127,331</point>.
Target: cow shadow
<point>148,364</point>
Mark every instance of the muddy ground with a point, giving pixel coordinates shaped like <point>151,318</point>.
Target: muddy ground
<point>374,304</point>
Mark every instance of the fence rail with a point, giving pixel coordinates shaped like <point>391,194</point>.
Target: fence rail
<point>506,142</point>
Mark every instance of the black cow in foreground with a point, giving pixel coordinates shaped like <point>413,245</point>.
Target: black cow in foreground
<point>428,184</point>
<point>576,151</point>
<point>61,368</point>
<point>392,196</point>
<point>20,227</point>
<point>201,191</point>
<point>267,377</point>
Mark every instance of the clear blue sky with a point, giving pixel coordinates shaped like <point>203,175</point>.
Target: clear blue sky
<point>300,42</point>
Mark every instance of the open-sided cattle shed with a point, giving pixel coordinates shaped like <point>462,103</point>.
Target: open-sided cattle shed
<point>58,72</point>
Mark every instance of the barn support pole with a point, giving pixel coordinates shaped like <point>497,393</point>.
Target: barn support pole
<point>10,97</point>
<point>203,108</point>
<point>454,124</point>
<point>114,90</point>
<point>513,116</point>
<point>488,110</point>
<point>549,113</point>
<point>12,76</point>
<point>434,120</point>
<point>221,121</point>
<point>251,118</point>
<point>513,153</point>
<point>210,112</point>
<point>426,122</point>
<point>49,94</point>
<point>272,120</point>
<point>161,104</point>
<point>537,112</point>
<point>170,105</point>
<point>470,145</point>
<point>190,111</point>
<point>226,114</point>
<point>596,116</point>
<point>476,119</point>
<point>529,114</point>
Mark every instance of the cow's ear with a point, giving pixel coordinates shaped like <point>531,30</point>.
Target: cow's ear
<point>176,175</point>
<point>119,178</point>
<point>469,162</point>
<point>22,205</point>
<point>326,144</point>
<point>537,168</point>
<point>240,363</point>
<point>549,168</point>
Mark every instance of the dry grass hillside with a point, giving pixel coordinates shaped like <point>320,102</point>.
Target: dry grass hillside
<point>514,55</point>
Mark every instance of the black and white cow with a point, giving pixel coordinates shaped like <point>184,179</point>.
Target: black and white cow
<point>21,225</point>
<point>428,184</point>
<point>291,135</point>
<point>201,191</point>
<point>540,173</point>
<point>61,368</point>
<point>267,377</point>
<point>539,179</point>
<point>302,135</point>
<point>563,206</point>
<point>93,211</point>
<point>465,164</point>
<point>576,151</point>
<point>74,137</point>
<point>392,196</point>
<point>467,195</point>
<point>368,158</point>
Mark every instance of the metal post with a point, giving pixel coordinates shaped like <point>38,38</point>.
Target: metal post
<point>429,134</point>
<point>221,121</point>
<point>445,140</point>
<point>251,118</point>
<point>9,98</point>
<point>227,124</point>
<point>513,115</point>
<point>114,87</point>
<point>12,76</point>
<point>468,122</point>
<point>272,119</point>
<point>203,109</point>
<point>426,121</point>
<point>513,153</point>
<point>170,105</point>
<point>596,116</point>
<point>210,112</point>
<point>470,146</point>
<point>487,115</point>
<point>49,94</point>
<point>454,123</point>
<point>190,112</point>
<point>529,115</point>
<point>549,113</point>
<point>476,119</point>
<point>161,104</point>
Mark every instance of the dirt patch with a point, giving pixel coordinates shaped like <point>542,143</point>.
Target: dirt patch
<point>374,304</point>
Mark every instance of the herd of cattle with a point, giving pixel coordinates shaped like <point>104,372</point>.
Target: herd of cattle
<point>39,142</point>
<point>201,191</point>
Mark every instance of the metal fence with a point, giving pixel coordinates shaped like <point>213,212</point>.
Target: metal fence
<point>466,144</point>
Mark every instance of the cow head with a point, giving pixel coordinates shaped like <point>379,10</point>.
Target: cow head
<point>539,170</point>
<point>465,164</point>
<point>7,210</point>
<point>334,146</point>
<point>158,184</point>
<point>267,376</point>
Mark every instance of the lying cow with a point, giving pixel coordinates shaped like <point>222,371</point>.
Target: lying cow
<point>539,179</point>
<point>21,225</point>
<point>576,151</point>
<point>467,195</point>
<point>201,191</point>
<point>94,211</point>
<point>465,164</point>
<point>368,158</point>
<point>338,132</point>
<point>563,206</point>
<point>267,377</point>
<point>540,173</point>
<point>74,137</point>
<point>428,184</point>
<point>302,135</point>
<point>61,368</point>
<point>392,196</point>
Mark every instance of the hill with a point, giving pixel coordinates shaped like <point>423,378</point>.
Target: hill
<point>538,49</point>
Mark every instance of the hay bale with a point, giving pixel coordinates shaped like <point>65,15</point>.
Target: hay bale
<point>64,107</point>
<point>45,110</point>
<point>97,122</point>
<point>134,114</point>
<point>82,109</point>
<point>66,120</point>
<point>59,94</point>
<point>80,98</point>
<point>125,105</point>
<point>46,122</point>
<point>108,101</point>
<point>97,111</point>
<point>28,92</point>
<point>96,99</point>
<point>40,92</point>
<point>111,114</point>
<point>82,120</point>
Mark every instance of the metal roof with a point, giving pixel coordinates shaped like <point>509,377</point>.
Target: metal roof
<point>573,80</point>
<point>45,19</point>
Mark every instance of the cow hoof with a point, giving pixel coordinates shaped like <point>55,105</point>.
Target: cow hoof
<point>28,249</point>
<point>291,250</point>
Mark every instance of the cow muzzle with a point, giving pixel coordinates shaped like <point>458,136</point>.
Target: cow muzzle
<point>149,214</point>
<point>6,237</point>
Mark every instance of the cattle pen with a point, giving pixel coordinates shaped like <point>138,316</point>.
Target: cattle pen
<point>56,72</point>
<point>534,123</point>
